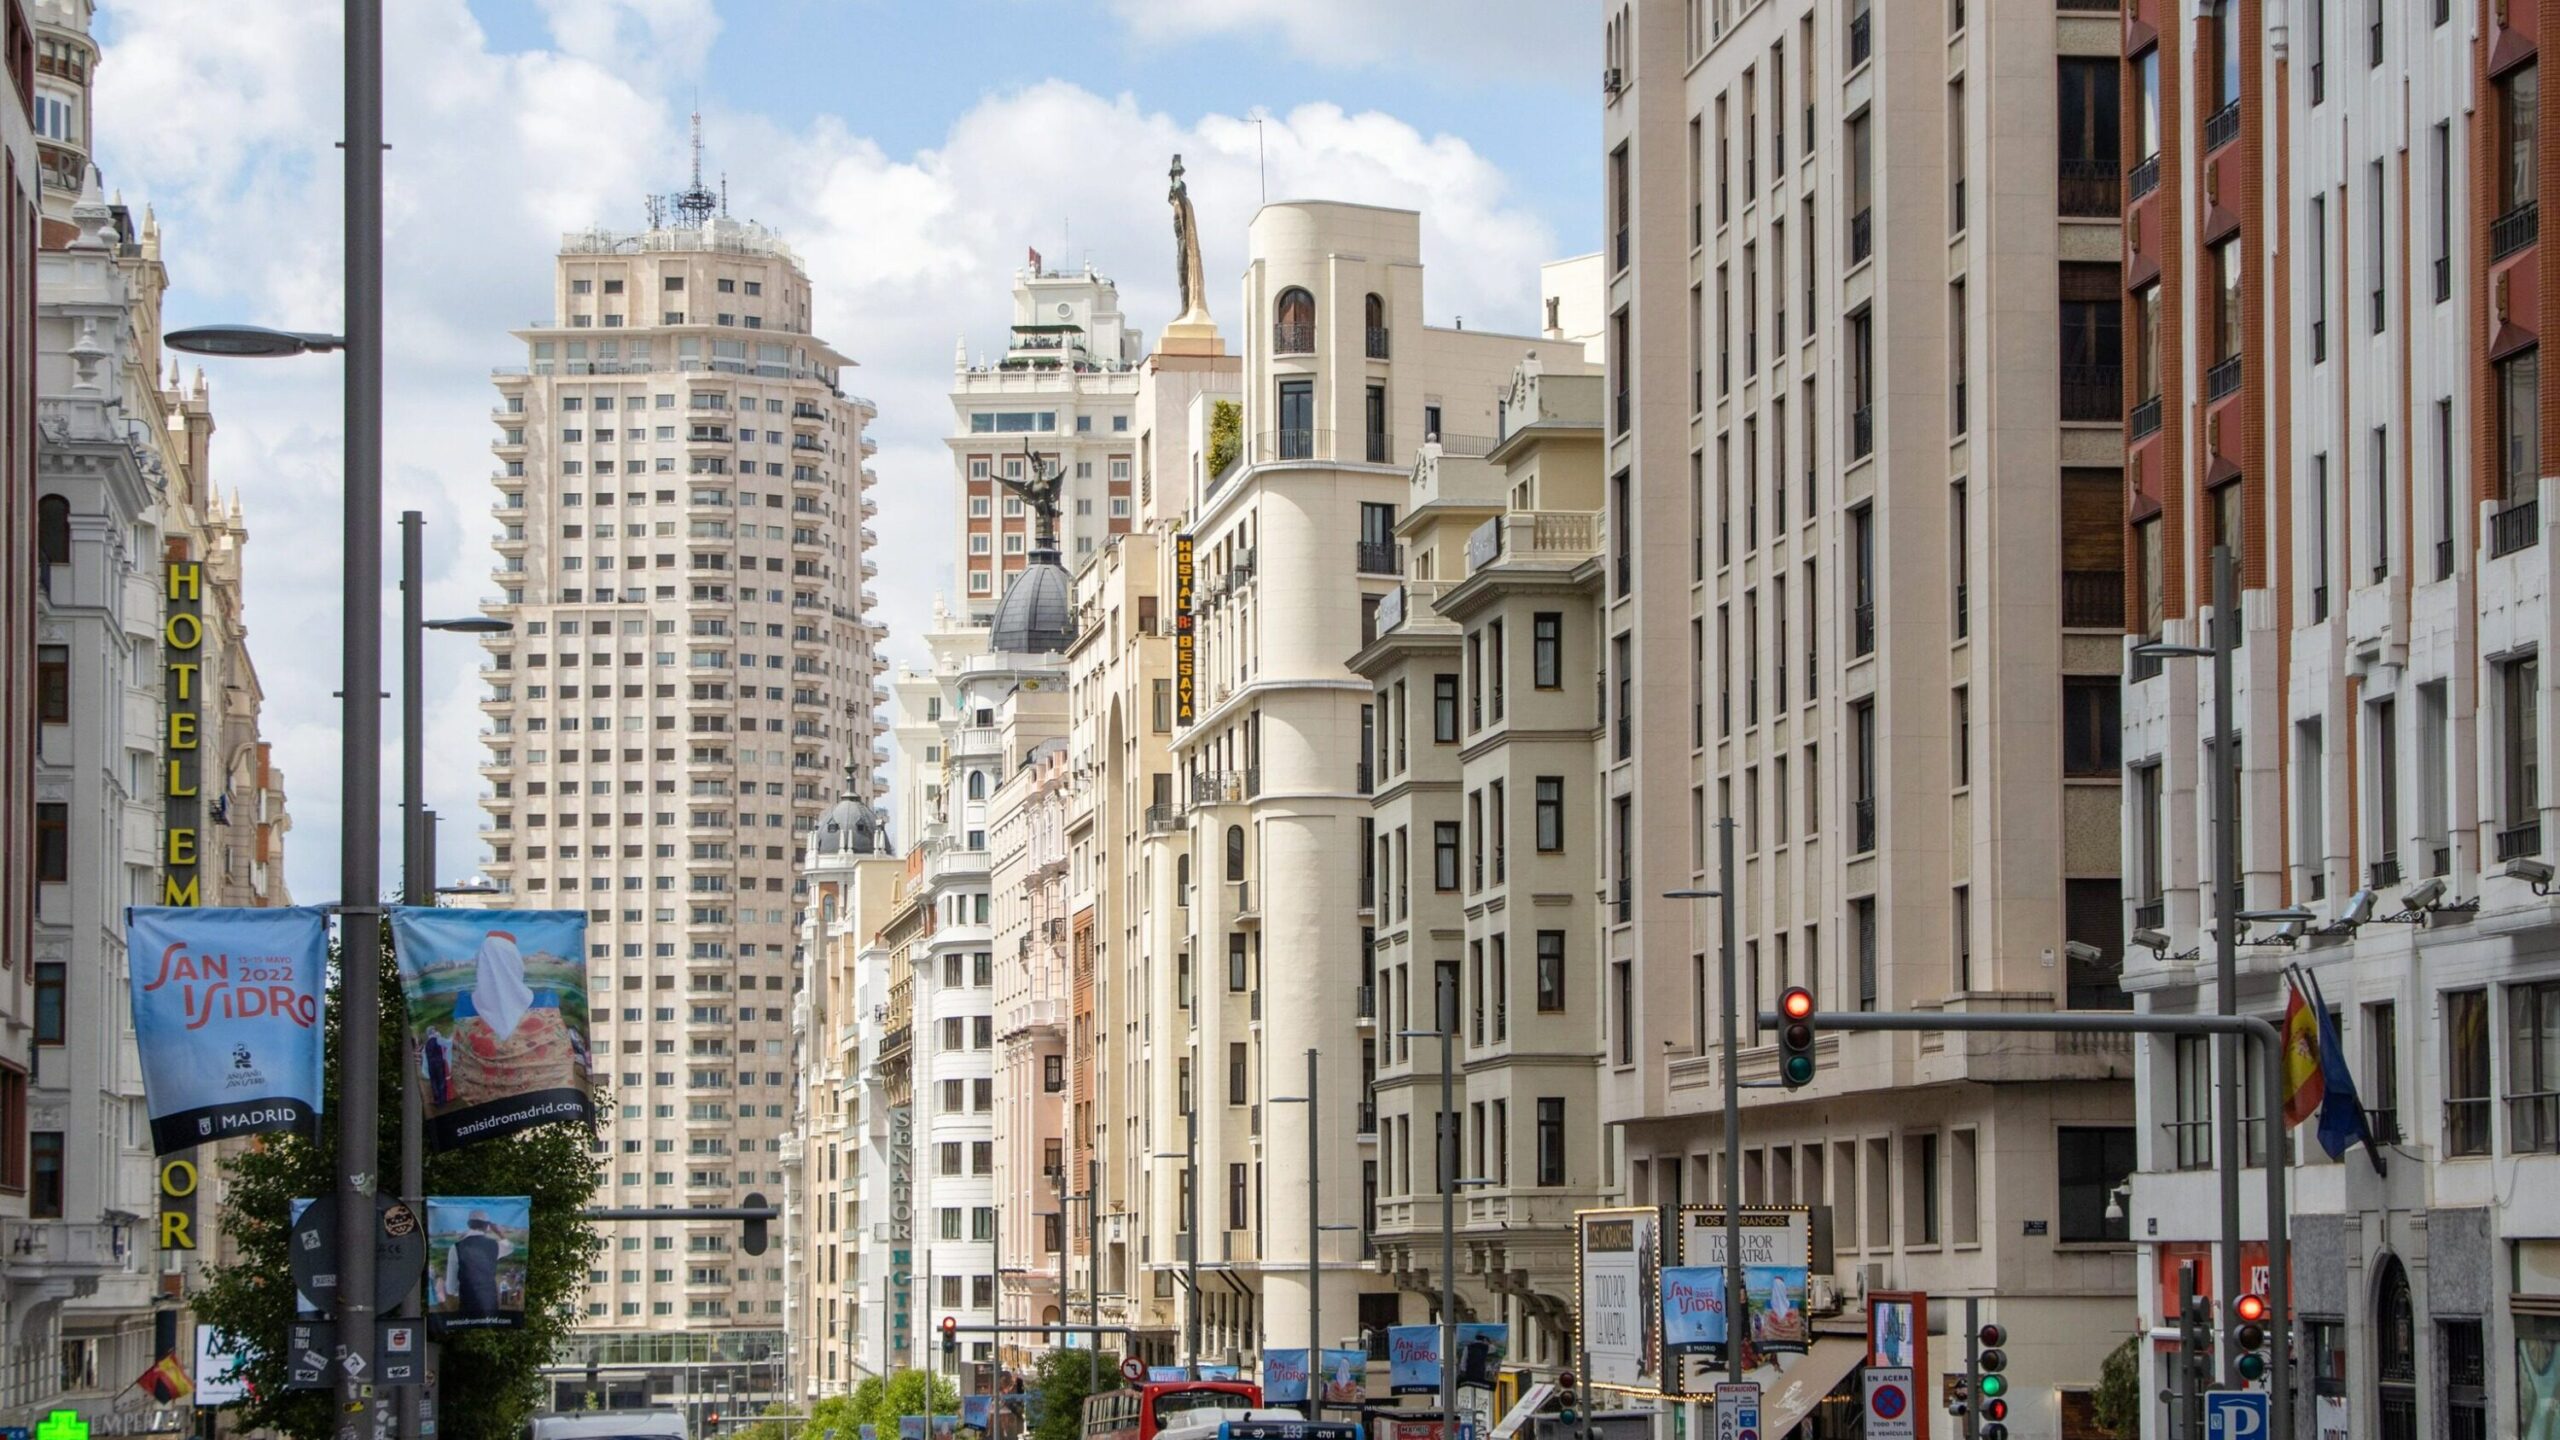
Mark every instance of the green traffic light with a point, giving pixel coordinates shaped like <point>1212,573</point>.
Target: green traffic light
<point>1800,1068</point>
<point>2253,1367</point>
<point>1994,1386</point>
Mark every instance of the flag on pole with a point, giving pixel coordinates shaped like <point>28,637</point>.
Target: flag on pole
<point>166,1381</point>
<point>2343,1121</point>
<point>1035,259</point>
<point>2305,1080</point>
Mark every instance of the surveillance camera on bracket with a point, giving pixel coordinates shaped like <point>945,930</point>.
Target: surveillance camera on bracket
<point>2082,952</point>
<point>2535,873</point>
<point>2155,941</point>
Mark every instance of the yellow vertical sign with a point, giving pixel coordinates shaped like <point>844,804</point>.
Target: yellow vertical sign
<point>1186,687</point>
<point>182,768</point>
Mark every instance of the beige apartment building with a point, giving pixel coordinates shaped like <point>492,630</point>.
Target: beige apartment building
<point>1027,878</point>
<point>1863,594</point>
<point>1483,664</point>
<point>681,554</point>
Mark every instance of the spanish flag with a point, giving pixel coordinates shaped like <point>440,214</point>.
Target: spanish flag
<point>166,1381</point>
<point>2305,1074</point>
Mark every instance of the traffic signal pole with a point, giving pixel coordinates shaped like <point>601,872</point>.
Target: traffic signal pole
<point>2270,1048</point>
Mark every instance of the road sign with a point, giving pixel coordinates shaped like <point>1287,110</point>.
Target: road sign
<point>2235,1415</point>
<point>307,1348</point>
<point>399,1254</point>
<point>1892,1409</point>
<point>1133,1369</point>
<point>1738,1410</point>
<point>402,1353</point>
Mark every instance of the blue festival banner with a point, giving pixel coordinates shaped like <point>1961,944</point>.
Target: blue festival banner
<point>1413,1354</point>
<point>1166,1374</point>
<point>1221,1372</point>
<point>974,1410</point>
<point>226,1008</point>
<point>1284,1377</point>
<point>1694,1318</point>
<point>910,1427</point>
<point>497,1005</point>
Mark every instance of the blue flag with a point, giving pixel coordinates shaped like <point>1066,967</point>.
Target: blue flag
<point>2342,1118</point>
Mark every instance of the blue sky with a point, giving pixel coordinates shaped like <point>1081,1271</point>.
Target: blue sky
<point>909,151</point>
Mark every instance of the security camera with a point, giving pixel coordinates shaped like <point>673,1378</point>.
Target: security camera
<point>2157,942</point>
<point>2083,953</point>
<point>2358,909</point>
<point>2424,894</point>
<point>2533,872</point>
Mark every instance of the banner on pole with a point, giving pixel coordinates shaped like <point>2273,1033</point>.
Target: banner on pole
<point>476,1260</point>
<point>1346,1376</point>
<point>497,1005</point>
<point>1414,1359</point>
<point>226,1008</point>
<point>1284,1377</point>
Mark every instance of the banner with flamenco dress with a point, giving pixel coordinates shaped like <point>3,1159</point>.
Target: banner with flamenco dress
<point>497,1018</point>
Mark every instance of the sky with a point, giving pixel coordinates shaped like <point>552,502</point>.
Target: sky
<point>910,151</point>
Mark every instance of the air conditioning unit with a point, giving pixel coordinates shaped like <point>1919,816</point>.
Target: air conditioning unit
<point>1611,82</point>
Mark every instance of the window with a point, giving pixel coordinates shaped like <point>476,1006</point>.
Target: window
<point>2191,1126</point>
<point>1235,852</point>
<point>2227,52</point>
<point>2440,161</point>
<point>1239,1068</point>
<point>1546,650</point>
<point>2466,1073</point>
<point>2380,238</point>
<point>1551,1168</point>
<point>53,841</point>
<point>1444,709</point>
<point>2518,107</point>
<point>1239,969</point>
<point>2519,439</point>
<point>51,989</point>
<point>2092,730</point>
<point>1551,971</point>
<point>44,1198</point>
<point>2533,1067</point>
<point>2228,307</point>
<point>1862,742</point>
<point>2093,1161</point>
<point>1920,1186</point>
<point>2520,680</point>
<point>1294,323</point>
<point>1550,800</point>
<point>53,684</point>
<point>1862,916</point>
<point>13,1129</point>
<point>1297,436</point>
<point>2088,147</point>
<point>1444,855</point>
<point>2382,1071</point>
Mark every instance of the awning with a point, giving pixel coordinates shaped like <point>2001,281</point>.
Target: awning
<point>1791,1394</point>
<point>1520,1414</point>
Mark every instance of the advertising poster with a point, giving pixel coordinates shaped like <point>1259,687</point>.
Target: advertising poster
<point>1898,1329</point>
<point>1221,1372</point>
<point>1346,1377</point>
<point>1776,1259</point>
<point>476,1261</point>
<point>1413,1354</point>
<point>1165,1374</point>
<point>974,1410</point>
<point>226,1005</point>
<point>222,1376</point>
<point>1284,1377</point>
<point>1621,1260</point>
<point>498,1018</point>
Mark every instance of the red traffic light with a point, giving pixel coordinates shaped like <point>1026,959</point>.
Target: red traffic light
<point>1995,1409</point>
<point>950,1326</point>
<point>1993,1336</point>
<point>2250,1308</point>
<point>1796,1004</point>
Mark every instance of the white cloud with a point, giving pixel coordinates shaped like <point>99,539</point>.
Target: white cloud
<point>1466,41</point>
<point>230,130</point>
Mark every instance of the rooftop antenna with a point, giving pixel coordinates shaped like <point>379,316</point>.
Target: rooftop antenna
<point>695,204</point>
<point>1261,173</point>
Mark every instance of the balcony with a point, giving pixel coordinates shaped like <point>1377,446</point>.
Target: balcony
<point>2222,379</point>
<point>1291,339</point>
<point>2222,127</point>
<point>1377,557</point>
<point>1862,432</point>
<point>1361,779</point>
<point>2092,189</point>
<point>1571,536</point>
<point>2150,914</point>
<point>2144,179</point>
<point>1862,628</point>
<point>2384,874</point>
<point>37,1249</point>
<point>1365,1004</point>
<point>1862,817</point>
<point>1296,443</point>
<point>1862,235</point>
<point>1377,342</point>
<point>1163,819</point>
<point>2516,842</point>
<point>2093,599</point>
<point>1860,41</point>
<point>2144,421</point>
<point>2514,230</point>
<point>2514,527</point>
<point>2093,393</point>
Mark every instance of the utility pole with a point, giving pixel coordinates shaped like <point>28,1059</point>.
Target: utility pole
<point>1736,1303</point>
<point>1448,1146</point>
<point>1315,1262</point>
<point>1093,1269</point>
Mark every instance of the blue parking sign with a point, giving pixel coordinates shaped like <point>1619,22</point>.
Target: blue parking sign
<point>2235,1415</point>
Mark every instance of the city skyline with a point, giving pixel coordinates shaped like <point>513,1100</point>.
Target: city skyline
<point>920,213</point>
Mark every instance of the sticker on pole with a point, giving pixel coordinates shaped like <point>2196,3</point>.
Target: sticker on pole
<point>2235,1415</point>
<point>1891,1413</point>
<point>1738,1410</point>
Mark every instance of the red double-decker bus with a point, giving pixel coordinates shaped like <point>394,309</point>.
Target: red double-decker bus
<point>1139,1411</point>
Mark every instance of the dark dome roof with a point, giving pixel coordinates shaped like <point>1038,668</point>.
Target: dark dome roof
<point>1037,614</point>
<point>849,826</point>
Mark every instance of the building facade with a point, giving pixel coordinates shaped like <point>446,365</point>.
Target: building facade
<point>682,557</point>
<point>1026,834</point>
<point>1900,695</point>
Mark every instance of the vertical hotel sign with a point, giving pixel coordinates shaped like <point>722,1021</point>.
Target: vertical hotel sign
<point>1186,683</point>
<point>182,782</point>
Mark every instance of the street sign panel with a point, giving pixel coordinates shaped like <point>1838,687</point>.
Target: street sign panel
<point>401,1353</point>
<point>307,1348</point>
<point>2235,1415</point>
<point>1893,1410</point>
<point>1738,1410</point>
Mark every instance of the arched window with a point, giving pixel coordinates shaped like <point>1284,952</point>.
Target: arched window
<point>1182,880</point>
<point>1235,852</point>
<point>53,537</point>
<point>2395,1353</point>
<point>1374,316</point>
<point>977,784</point>
<point>1294,327</point>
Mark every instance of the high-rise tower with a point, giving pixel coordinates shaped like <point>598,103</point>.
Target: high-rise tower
<point>683,556</point>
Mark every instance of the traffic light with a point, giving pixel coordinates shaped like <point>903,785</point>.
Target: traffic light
<point>950,1336</point>
<point>2195,1340</point>
<point>1992,1384</point>
<point>710,1420</point>
<point>1959,1396</point>
<point>2250,1339</point>
<point>753,1244</point>
<point>1568,1396</point>
<point>1795,1038</point>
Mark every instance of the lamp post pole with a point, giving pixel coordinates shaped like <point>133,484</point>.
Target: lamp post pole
<point>1191,1251</point>
<point>1736,1304</point>
<point>2226,947</point>
<point>1093,1269</point>
<point>360,731</point>
<point>417,887</point>
<point>1315,1262</point>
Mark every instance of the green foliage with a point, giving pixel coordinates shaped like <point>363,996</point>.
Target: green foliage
<point>1226,435</point>
<point>2118,1399</point>
<point>907,1394</point>
<point>1059,1384</point>
<point>490,1380</point>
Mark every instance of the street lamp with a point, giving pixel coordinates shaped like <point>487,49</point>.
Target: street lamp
<point>1315,1234</point>
<point>2223,642</point>
<point>1189,1155</point>
<point>1447,1131</point>
<point>1732,1101</point>
<point>360,695</point>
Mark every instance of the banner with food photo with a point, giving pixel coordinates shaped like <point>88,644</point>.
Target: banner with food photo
<point>497,1018</point>
<point>476,1260</point>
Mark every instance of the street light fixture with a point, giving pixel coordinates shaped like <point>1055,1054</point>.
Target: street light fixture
<point>250,342</point>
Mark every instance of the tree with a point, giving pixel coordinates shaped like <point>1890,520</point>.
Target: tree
<point>2118,1399</point>
<point>490,1380</point>
<point>1059,1384</point>
<point>904,1394</point>
<point>1226,434</point>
